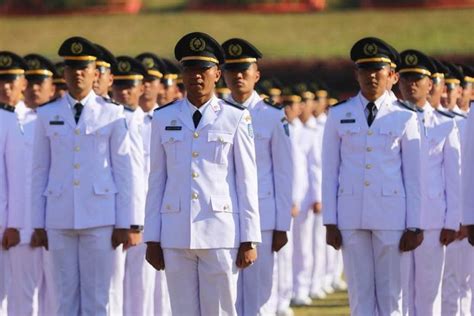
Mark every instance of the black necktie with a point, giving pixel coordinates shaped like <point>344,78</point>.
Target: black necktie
<point>78,107</point>
<point>372,108</point>
<point>196,118</point>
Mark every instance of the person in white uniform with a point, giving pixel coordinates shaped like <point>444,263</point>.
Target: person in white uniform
<point>202,222</point>
<point>441,163</point>
<point>139,281</point>
<point>154,85</point>
<point>82,185</point>
<point>371,183</point>
<point>274,171</point>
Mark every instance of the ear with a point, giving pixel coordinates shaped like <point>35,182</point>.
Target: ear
<point>218,75</point>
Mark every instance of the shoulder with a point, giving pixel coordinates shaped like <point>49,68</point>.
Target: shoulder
<point>457,114</point>
<point>404,106</point>
<point>444,114</point>
<point>110,100</point>
<point>6,107</point>
<point>49,102</point>
<point>339,103</point>
<point>167,105</point>
<point>237,106</point>
<point>272,104</point>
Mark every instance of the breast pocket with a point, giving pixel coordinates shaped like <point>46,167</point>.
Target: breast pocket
<point>391,137</point>
<point>351,137</point>
<point>172,141</point>
<point>221,204</point>
<point>221,142</point>
<point>57,133</point>
<point>435,144</point>
<point>100,139</point>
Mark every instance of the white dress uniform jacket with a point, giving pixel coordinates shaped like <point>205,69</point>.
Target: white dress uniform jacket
<point>202,186</point>
<point>274,162</point>
<point>81,172</point>
<point>365,186</point>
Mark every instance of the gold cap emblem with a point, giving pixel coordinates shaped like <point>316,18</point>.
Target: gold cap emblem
<point>411,59</point>
<point>124,66</point>
<point>5,61</point>
<point>76,48</point>
<point>148,62</point>
<point>235,50</point>
<point>370,49</point>
<point>33,64</point>
<point>197,44</point>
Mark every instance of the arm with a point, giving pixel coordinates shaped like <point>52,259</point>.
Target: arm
<point>452,171</point>
<point>246,177</point>
<point>467,173</point>
<point>411,171</point>
<point>282,160</point>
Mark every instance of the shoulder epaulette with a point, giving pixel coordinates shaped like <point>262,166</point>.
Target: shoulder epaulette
<point>240,107</point>
<point>164,106</point>
<point>458,114</point>
<point>447,114</point>
<point>272,103</point>
<point>50,101</point>
<point>338,103</point>
<point>110,100</point>
<point>128,109</point>
<point>7,107</point>
<point>406,106</point>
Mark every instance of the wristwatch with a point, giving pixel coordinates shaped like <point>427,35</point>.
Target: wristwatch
<point>137,228</point>
<point>253,245</point>
<point>414,230</point>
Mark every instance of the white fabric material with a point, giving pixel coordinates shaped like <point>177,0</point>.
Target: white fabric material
<point>319,254</point>
<point>302,253</point>
<point>4,279</point>
<point>202,282</point>
<point>82,261</point>
<point>162,296</point>
<point>116,290</point>
<point>372,262</point>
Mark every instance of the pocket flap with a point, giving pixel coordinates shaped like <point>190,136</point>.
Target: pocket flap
<point>172,137</point>
<point>53,190</point>
<point>105,188</point>
<point>265,191</point>
<point>223,137</point>
<point>345,189</point>
<point>392,190</point>
<point>388,130</point>
<point>221,204</point>
<point>435,192</point>
<point>170,205</point>
<point>56,130</point>
<point>347,129</point>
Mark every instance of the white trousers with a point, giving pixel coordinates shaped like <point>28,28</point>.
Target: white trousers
<point>48,302</point>
<point>162,296</point>
<point>319,270</point>
<point>202,281</point>
<point>334,266</point>
<point>26,266</point>
<point>139,283</point>
<point>302,254</point>
<point>82,262</point>
<point>4,278</point>
<point>282,287</point>
<point>423,288</point>
<point>372,261</point>
<point>256,280</point>
<point>456,289</point>
<point>116,296</point>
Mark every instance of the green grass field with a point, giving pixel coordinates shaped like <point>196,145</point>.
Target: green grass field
<point>317,35</point>
<point>334,305</point>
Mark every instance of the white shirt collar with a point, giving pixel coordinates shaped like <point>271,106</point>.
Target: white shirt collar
<point>71,101</point>
<point>378,103</point>
<point>250,102</point>
<point>203,107</point>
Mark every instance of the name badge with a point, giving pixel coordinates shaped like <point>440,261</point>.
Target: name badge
<point>348,121</point>
<point>56,122</point>
<point>173,128</point>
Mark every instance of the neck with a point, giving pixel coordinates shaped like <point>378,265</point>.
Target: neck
<point>241,97</point>
<point>419,103</point>
<point>147,105</point>
<point>79,95</point>
<point>199,100</point>
<point>132,106</point>
<point>372,97</point>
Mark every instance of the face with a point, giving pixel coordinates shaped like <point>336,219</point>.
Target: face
<point>393,80</point>
<point>80,80</point>
<point>11,90</point>
<point>200,82</point>
<point>242,81</point>
<point>293,110</point>
<point>151,90</point>
<point>104,81</point>
<point>436,92</point>
<point>466,94</point>
<point>170,93</point>
<point>373,82</point>
<point>39,91</point>
<point>414,88</point>
<point>128,94</point>
<point>452,96</point>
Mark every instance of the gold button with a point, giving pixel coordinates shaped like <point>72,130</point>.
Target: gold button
<point>76,182</point>
<point>171,139</point>
<point>77,131</point>
<point>195,174</point>
<point>369,149</point>
<point>195,196</point>
<point>221,139</point>
<point>370,132</point>
<point>395,191</point>
<point>366,183</point>
<point>341,190</point>
<point>195,154</point>
<point>106,190</point>
<point>226,207</point>
<point>55,134</point>
<point>168,207</point>
<point>368,166</point>
<point>196,135</point>
<point>77,149</point>
<point>50,191</point>
<point>77,166</point>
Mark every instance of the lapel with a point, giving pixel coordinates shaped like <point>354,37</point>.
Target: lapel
<point>209,115</point>
<point>184,116</point>
<point>358,113</point>
<point>382,111</point>
<point>66,112</point>
<point>89,117</point>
